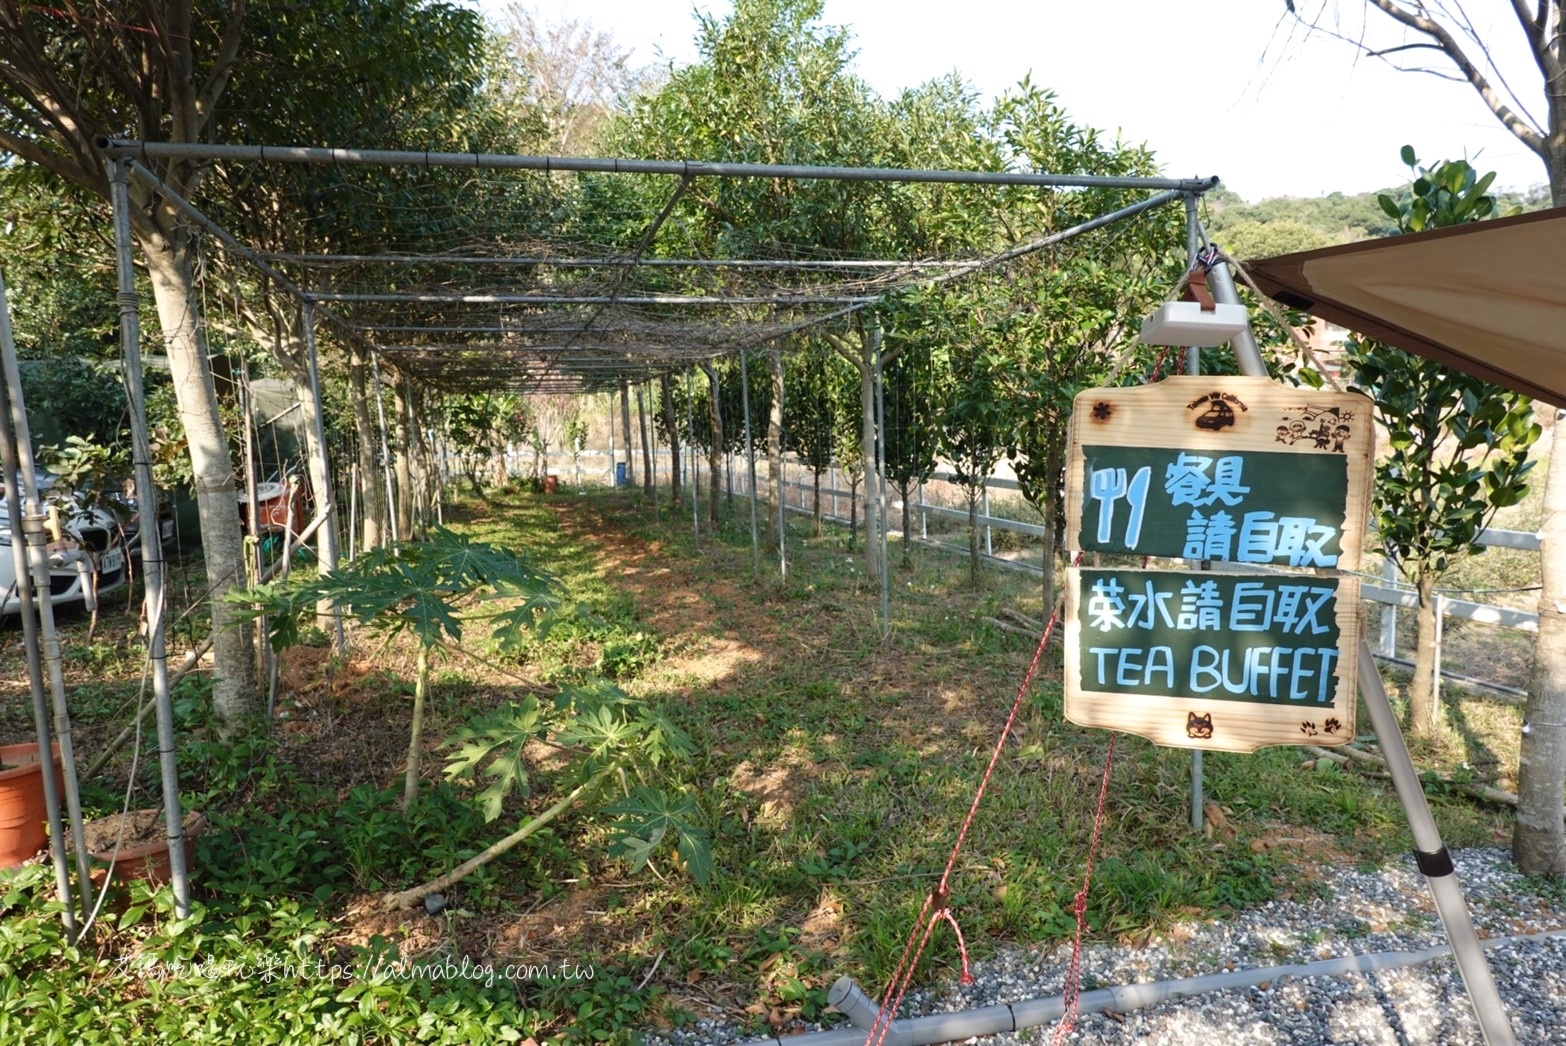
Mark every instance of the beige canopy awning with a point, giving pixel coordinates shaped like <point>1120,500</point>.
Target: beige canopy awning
<point>1487,298</point>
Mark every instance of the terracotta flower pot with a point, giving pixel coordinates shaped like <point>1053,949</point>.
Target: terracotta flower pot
<point>23,820</point>
<point>144,849</point>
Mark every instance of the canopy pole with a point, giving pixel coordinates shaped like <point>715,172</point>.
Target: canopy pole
<point>141,150</point>
<point>692,466</point>
<point>151,539</point>
<point>880,481</point>
<point>1193,366</point>
<point>750,458</point>
<point>36,537</point>
<point>386,460</point>
<point>325,494</point>
<point>16,520</point>
<point>1430,853</point>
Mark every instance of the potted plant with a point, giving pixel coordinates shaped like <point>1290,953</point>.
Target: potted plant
<point>137,843</point>
<point>23,818</point>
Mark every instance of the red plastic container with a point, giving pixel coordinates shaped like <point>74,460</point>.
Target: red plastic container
<point>276,509</point>
<point>23,819</point>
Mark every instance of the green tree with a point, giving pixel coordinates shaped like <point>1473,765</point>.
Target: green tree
<point>911,410</point>
<point>973,432</point>
<point>812,416</point>
<point>1457,446</point>
<point>424,75</point>
<point>158,72</point>
<point>1263,239</point>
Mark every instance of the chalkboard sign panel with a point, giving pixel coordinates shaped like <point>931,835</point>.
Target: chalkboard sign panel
<point>1232,469</point>
<point>1244,507</point>
<point>1206,660</point>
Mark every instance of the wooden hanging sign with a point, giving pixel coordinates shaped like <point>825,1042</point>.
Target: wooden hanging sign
<point>1249,476</point>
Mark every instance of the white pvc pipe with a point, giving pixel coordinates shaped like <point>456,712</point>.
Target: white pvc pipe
<point>846,997</point>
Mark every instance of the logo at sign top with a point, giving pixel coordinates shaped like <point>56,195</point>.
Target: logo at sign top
<point>1216,410</point>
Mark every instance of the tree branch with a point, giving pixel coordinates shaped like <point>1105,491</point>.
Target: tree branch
<point>1447,43</point>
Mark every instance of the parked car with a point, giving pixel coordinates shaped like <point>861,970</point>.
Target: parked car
<point>89,555</point>
<point>127,511</point>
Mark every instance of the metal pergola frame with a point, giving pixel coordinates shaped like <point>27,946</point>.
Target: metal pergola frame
<point>520,341</point>
<point>615,322</point>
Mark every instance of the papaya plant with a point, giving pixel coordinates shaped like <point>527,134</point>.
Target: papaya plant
<point>607,736</point>
<point>414,587</point>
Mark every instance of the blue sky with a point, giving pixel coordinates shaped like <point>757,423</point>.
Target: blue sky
<point>1223,88</point>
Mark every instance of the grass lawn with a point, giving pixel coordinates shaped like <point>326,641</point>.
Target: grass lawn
<point>832,771</point>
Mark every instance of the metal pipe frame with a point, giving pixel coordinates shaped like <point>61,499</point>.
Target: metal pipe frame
<point>15,519</point>
<point>129,148</point>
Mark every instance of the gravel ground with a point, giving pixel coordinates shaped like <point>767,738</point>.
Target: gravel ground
<point>1359,913</point>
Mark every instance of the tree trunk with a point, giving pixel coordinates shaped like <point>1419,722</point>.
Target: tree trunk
<point>407,898</point>
<point>625,427</point>
<point>373,505</point>
<point>1538,836</point>
<point>671,425</point>
<point>715,447</point>
<point>235,693</point>
<point>1421,689</point>
<point>777,518</point>
<point>294,360</point>
<point>418,462</point>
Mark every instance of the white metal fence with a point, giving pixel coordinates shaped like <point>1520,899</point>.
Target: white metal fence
<point>597,467</point>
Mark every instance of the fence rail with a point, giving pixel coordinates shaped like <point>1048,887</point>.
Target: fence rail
<point>1388,593</point>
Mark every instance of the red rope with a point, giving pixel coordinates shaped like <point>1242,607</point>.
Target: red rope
<point>1073,989</point>
<point>936,907</point>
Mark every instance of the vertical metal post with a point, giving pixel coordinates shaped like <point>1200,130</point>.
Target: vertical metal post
<point>750,458</point>
<point>1430,853</point>
<point>151,539</point>
<point>353,507</point>
<point>325,499</point>
<point>386,459</point>
<point>16,519</point>
<point>247,444</point>
<point>1193,244</point>
<point>1388,638</point>
<point>778,386</point>
<point>691,464</point>
<point>989,547</point>
<point>880,468</point>
<point>1193,365</point>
